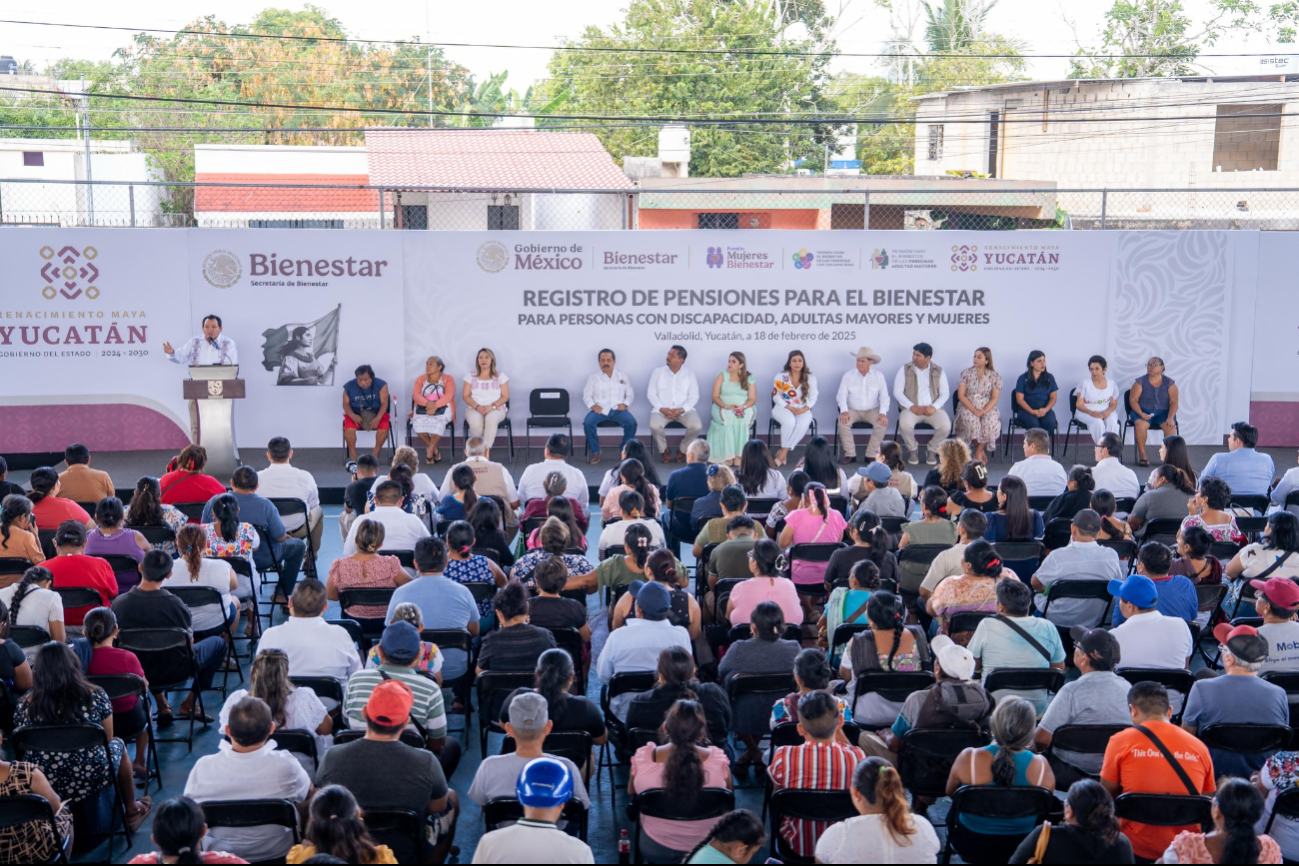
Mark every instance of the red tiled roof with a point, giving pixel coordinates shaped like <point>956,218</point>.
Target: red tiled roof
<point>244,199</point>
<point>491,159</point>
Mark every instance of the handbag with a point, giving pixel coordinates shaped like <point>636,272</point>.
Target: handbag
<point>1044,839</point>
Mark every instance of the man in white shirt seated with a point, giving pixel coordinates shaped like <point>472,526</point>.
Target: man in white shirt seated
<point>249,767</point>
<point>862,396</point>
<point>315,648</point>
<point>636,646</point>
<point>673,395</point>
<point>401,529</point>
<point>543,788</point>
<point>1147,638</point>
<point>607,395</point>
<point>1110,473</point>
<point>282,480</point>
<point>529,723</point>
<point>1082,559</point>
<point>922,393</point>
<point>532,483</point>
<point>1277,601</point>
<point>490,479</point>
<point>1039,471</point>
<point>970,526</point>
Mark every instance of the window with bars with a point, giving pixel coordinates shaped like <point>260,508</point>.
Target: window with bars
<point>935,141</point>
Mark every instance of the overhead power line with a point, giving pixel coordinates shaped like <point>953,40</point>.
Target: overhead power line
<point>617,50</point>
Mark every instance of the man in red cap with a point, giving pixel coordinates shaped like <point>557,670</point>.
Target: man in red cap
<point>1237,697</point>
<point>1277,601</point>
<point>383,772</point>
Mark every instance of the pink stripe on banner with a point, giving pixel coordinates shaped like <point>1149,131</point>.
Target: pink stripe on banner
<point>1277,422</point>
<point>100,426</point>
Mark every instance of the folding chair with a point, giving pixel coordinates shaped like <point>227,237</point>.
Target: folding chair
<point>1126,423</point>
<point>169,664</point>
<point>10,566</point>
<point>1257,502</point>
<point>391,444</point>
<point>457,639</point>
<point>1163,530</point>
<point>46,538</point>
<point>118,686</point>
<point>348,598</point>
<point>570,641</point>
<point>193,511</point>
<point>813,553</point>
<point>409,736</point>
<point>1288,680</point>
<point>628,682</point>
<point>125,569</point>
<point>1223,551</point>
<point>353,629</point>
<point>29,637</point>
<point>244,569</point>
<point>1008,438</point>
<point>291,508</point>
<point>1023,557</point>
<point>771,432</point>
<point>574,745</point>
<point>992,801</point>
<point>854,427</point>
<point>1166,810</point>
<point>1080,739</point>
<point>400,829</point>
<point>758,509</point>
<point>1058,533</point>
<point>327,688</point>
<point>493,688</point>
<point>801,804</point>
<point>682,505</point>
<point>1173,680</point>
<point>744,631</point>
<point>1124,548</point>
<point>1079,588</point>
<point>405,557</point>
<point>844,633</point>
<point>252,813</point>
<point>1024,679</point>
<point>707,803</point>
<point>926,755</point>
<point>17,810</point>
<point>892,686</point>
<point>1074,426</point>
<point>1040,503</point>
<point>968,621</point>
<point>504,425</point>
<point>195,597</point>
<point>1245,738</point>
<point>299,742</point>
<point>77,597</point>
<point>1286,805</point>
<point>67,739</point>
<point>548,409</point>
<point>500,810</point>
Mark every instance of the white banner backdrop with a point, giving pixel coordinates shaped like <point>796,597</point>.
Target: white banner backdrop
<point>547,302</point>
<point>305,309</point>
<point>84,314</point>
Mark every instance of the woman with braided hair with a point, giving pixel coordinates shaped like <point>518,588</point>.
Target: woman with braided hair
<point>620,571</point>
<point>888,646</point>
<point>666,569</point>
<point>1237,809</point>
<point>735,838</point>
<point>1089,834</point>
<point>18,534</point>
<point>884,830</point>
<point>33,602</point>
<point>1008,763</point>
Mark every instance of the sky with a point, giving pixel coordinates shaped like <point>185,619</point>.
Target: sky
<point>1043,25</point>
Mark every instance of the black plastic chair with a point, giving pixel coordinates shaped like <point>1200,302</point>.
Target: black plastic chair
<point>813,553</point>
<point>1125,548</point>
<point>801,804</point>
<point>409,736</point>
<point>505,425</point>
<point>758,509</point>
<point>29,637</point>
<point>348,598</point>
<point>1286,805</point>
<point>1163,530</point>
<point>354,631</point>
<point>1080,588</point>
<point>628,682</point>
<point>682,505</point>
<point>402,830</point>
<point>252,813</point>
<point>202,596</point>
<point>921,554</point>
<point>193,511</point>
<point>1040,503</point>
<point>926,756</point>
<point>507,809</point>
<point>1077,428</point>
<point>767,688</point>
<point>992,801</point>
<point>1166,810</point>
<point>118,686</point>
<point>570,641</point>
<point>1058,533</point>
<point>290,507</point>
<point>169,664</point>
<point>493,688</point>
<point>854,427</point>
<point>68,739</point>
<point>324,687</point>
<point>1081,739</point>
<point>77,596</point>
<point>157,535</point>
<point>1171,679</point>
<point>46,538</point>
<point>1023,557</point>
<point>844,633</point>
<point>786,734</point>
<point>574,745</point>
<point>1288,680</point>
<point>488,552</point>
<point>548,409</point>
<point>1245,738</point>
<point>299,742</point>
<point>405,557</point>
<point>744,631</point>
<point>481,591</point>
<point>708,803</point>
<point>966,621</point>
<point>701,568</point>
<point>455,639</point>
<point>1224,551</point>
<point>13,565</point>
<point>19,809</point>
<point>123,567</point>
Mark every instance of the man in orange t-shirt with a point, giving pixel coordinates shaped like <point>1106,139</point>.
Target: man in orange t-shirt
<point>1134,764</point>
<point>72,569</point>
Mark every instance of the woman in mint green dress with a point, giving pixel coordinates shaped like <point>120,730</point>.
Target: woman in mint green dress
<point>735,392</point>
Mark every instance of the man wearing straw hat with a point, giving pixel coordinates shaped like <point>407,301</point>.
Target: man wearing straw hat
<point>863,396</point>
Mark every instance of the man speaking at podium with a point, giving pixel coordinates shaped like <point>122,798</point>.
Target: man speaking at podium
<point>208,348</point>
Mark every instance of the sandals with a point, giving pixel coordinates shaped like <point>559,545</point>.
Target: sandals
<point>740,769</point>
<point>146,806</point>
<point>1143,462</point>
<point>164,719</point>
<point>193,713</point>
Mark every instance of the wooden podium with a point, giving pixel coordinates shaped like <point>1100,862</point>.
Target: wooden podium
<point>213,388</point>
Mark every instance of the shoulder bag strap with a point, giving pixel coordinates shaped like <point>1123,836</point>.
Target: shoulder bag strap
<point>1043,840</point>
<point>188,474</point>
<point>1276,563</point>
<point>859,611</point>
<point>1032,641</point>
<point>1168,756</point>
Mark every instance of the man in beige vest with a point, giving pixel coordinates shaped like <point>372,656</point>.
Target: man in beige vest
<point>922,394</point>
<point>490,479</point>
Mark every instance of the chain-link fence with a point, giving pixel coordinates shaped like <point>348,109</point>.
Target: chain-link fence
<point>924,204</point>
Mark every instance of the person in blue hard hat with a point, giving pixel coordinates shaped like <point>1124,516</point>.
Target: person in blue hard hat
<point>544,786</point>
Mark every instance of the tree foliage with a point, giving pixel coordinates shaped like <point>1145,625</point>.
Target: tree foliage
<point>1158,38</point>
<point>624,82</point>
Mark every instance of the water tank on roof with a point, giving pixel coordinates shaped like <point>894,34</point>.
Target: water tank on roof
<point>674,144</point>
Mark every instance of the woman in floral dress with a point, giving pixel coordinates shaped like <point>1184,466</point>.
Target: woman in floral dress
<point>978,421</point>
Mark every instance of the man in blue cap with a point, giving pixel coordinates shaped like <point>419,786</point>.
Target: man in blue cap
<point>544,786</point>
<point>637,644</point>
<point>1148,638</point>
<point>879,496</point>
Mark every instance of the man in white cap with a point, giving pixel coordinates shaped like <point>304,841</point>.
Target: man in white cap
<point>863,396</point>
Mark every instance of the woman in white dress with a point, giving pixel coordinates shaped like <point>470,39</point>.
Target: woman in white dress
<point>486,394</point>
<point>792,399</point>
<point>1098,401</point>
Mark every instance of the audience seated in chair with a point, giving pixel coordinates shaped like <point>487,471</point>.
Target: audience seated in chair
<point>1090,832</point>
<point>733,503</point>
<point>681,766</point>
<point>335,828</point>
<point>285,551</point>
<point>1077,496</point>
<point>365,569</point>
<point>151,606</point>
<point>145,511</point>
<point>18,538</point>
<point>249,767</point>
<point>1277,601</point>
<point>1237,809</point>
<point>315,647</point>
<point>821,763</point>
<point>178,829</point>
<point>1041,475</point>
<point>184,480</point>
<point>870,540</point>
<point>766,652</point>
<point>970,527</point>
<point>880,495</point>
<point>33,602</point>
<point>49,509</point>
<point>620,571</point>
<point>401,528</point>
<point>442,603</point>
<point>885,831</point>
<point>430,659</point>
<point>637,645</point>
<point>384,773</point>
<point>632,506</point>
<point>465,566</point>
<point>689,482</point>
<point>1246,471</point>
<point>109,538</point>
<point>529,723</point>
<point>293,707</point>
<point>532,482</point>
<point>566,711</point>
<point>676,681</point>
<point>1134,764</point>
<point>79,482</point>
<point>1177,598</point>
<point>663,568</point>
<point>357,493</point>
<point>282,480</point>
<point>514,644</point>
<point>1148,638</point>
<point>973,590</point>
<point>130,714</point>
<point>887,647</point>
<point>1277,555</point>
<point>811,674</point>
<point>549,610</point>
<point>195,569</point>
<point>61,695</point>
<point>766,582</point>
<point>543,788</point>
<point>1098,697</point>
<point>1081,559</point>
<point>1003,641</point>
<point>553,537</point>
